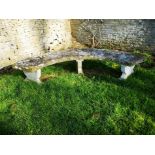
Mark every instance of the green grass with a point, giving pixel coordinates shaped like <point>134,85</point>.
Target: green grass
<point>68,103</point>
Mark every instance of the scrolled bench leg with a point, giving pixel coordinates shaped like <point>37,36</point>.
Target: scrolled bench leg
<point>33,76</point>
<point>79,66</point>
<point>126,71</point>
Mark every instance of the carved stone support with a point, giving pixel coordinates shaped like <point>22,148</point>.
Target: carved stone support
<point>79,66</point>
<point>126,71</point>
<point>33,76</point>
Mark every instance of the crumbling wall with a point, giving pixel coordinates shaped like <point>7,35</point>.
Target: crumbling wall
<point>20,39</point>
<point>126,34</point>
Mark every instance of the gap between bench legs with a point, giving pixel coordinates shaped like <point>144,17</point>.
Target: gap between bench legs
<point>33,76</point>
<point>126,71</point>
<point>79,66</point>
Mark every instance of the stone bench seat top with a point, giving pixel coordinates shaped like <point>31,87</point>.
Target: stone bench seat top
<point>124,58</point>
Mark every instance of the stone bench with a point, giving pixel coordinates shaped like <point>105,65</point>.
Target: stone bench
<point>32,66</point>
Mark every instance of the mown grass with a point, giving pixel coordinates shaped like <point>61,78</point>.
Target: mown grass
<point>68,103</point>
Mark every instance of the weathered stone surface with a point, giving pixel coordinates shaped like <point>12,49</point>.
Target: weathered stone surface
<point>78,54</point>
<point>126,34</point>
<point>21,39</point>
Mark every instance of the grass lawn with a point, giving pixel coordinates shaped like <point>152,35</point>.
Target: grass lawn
<point>68,103</point>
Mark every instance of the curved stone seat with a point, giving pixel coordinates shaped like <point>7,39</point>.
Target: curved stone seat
<point>32,66</point>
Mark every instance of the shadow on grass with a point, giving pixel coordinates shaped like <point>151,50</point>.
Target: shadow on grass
<point>54,117</point>
<point>11,71</point>
<point>140,81</point>
<point>90,68</point>
<point>67,118</point>
<point>6,129</point>
<point>63,114</point>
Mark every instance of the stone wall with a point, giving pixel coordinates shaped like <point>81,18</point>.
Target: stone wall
<point>120,34</point>
<point>20,39</point>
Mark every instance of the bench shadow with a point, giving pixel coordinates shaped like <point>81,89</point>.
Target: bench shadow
<point>11,71</point>
<point>101,72</point>
<point>90,68</point>
<point>70,123</point>
<point>70,66</point>
<point>137,82</point>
